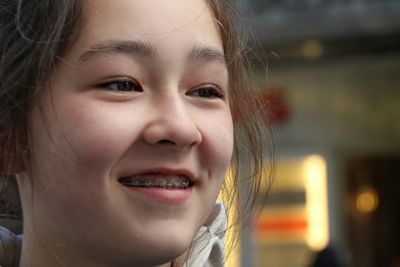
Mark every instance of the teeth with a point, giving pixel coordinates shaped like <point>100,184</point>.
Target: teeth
<point>161,183</point>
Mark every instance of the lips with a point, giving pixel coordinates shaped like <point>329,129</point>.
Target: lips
<point>157,180</point>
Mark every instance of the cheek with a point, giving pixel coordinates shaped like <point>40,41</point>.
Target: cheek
<point>103,133</point>
<point>218,142</point>
<point>88,134</point>
<point>76,144</point>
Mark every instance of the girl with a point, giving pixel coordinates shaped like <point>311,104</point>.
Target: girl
<point>116,122</point>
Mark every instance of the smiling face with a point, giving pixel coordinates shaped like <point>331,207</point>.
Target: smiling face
<point>141,97</point>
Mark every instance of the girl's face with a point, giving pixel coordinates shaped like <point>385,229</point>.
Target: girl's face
<point>141,95</point>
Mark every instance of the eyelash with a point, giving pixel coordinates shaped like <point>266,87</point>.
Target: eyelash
<point>121,85</point>
<point>207,91</point>
<point>211,91</point>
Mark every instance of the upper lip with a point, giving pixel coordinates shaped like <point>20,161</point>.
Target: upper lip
<point>166,171</point>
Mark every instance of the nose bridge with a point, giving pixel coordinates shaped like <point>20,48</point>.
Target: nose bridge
<point>171,107</point>
<point>172,122</point>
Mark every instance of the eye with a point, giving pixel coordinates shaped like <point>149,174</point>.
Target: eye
<point>206,92</point>
<point>123,85</point>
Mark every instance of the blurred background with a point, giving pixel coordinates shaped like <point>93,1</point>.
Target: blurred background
<point>333,82</point>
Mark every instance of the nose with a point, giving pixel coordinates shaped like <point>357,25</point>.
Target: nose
<point>170,123</point>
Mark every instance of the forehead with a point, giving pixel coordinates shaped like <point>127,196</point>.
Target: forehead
<point>169,25</point>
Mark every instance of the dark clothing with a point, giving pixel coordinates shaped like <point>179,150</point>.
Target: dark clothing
<point>326,258</point>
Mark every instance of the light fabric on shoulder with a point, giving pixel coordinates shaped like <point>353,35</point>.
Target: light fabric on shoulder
<point>208,244</point>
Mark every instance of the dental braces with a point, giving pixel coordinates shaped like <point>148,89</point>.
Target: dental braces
<point>159,184</point>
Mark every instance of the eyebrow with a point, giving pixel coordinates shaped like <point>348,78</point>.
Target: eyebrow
<point>207,54</point>
<point>129,48</point>
<point>144,49</point>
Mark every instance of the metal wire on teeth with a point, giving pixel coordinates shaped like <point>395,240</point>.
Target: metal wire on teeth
<point>160,184</point>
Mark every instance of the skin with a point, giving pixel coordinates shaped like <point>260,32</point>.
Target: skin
<point>86,134</point>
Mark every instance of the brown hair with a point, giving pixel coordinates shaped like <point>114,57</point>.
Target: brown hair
<point>34,34</point>
<point>252,166</point>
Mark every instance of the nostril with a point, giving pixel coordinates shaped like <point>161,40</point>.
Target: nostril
<point>166,142</point>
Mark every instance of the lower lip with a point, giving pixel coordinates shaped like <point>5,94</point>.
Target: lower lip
<point>173,196</point>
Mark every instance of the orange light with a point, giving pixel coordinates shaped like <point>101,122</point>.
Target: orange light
<point>367,200</point>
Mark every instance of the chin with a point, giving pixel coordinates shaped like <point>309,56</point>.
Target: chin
<point>173,244</point>
<point>162,245</point>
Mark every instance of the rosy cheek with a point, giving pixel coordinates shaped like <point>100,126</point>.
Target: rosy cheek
<point>96,134</point>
